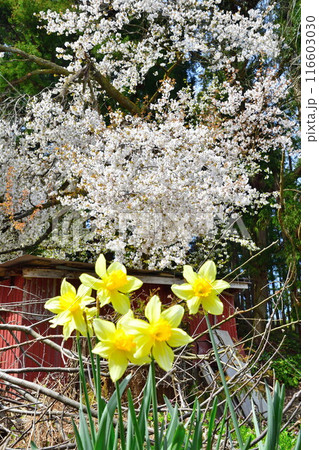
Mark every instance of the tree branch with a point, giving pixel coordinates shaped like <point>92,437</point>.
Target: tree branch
<point>112,92</point>
<point>102,80</point>
<point>59,70</point>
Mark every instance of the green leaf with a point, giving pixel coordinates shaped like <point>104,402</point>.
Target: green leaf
<point>211,424</point>
<point>220,434</point>
<point>197,439</point>
<point>105,432</point>
<point>133,430</point>
<point>173,423</point>
<point>84,433</point>
<point>178,440</point>
<point>33,446</point>
<point>145,407</point>
<point>298,444</point>
<point>247,443</point>
<point>77,437</point>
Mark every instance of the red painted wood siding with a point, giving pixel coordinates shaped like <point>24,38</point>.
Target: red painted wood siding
<point>26,297</point>
<point>11,293</point>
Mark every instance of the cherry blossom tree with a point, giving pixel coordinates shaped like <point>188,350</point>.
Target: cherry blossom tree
<point>135,173</point>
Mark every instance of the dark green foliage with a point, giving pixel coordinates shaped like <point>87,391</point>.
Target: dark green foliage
<point>19,27</point>
<point>287,370</point>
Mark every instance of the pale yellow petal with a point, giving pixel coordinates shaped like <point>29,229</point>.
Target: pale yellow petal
<point>67,287</point>
<point>163,355</point>
<point>213,305</point>
<point>79,322</point>
<point>91,282</point>
<point>153,309</point>
<point>144,344</point>
<point>183,291</point>
<point>208,271</point>
<point>219,285</point>
<point>116,266</point>
<point>179,337</point>
<point>189,274</point>
<point>104,296</point>
<point>193,305</point>
<point>53,305</point>
<point>132,285</point>
<point>173,315</point>
<point>68,329</point>
<point>120,302</point>
<point>84,291</point>
<point>60,319</point>
<point>104,329</point>
<point>135,326</point>
<point>125,319</point>
<point>117,365</point>
<point>103,349</point>
<point>140,361</point>
<point>100,266</point>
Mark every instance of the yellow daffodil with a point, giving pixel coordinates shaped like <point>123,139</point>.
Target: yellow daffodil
<point>116,345</point>
<point>113,286</point>
<point>160,334</point>
<point>202,289</point>
<point>71,309</point>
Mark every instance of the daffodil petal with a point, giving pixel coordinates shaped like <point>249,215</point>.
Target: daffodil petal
<point>68,329</point>
<point>115,266</point>
<point>62,317</point>
<point>178,338</point>
<point>117,365</point>
<point>102,349</point>
<point>79,322</point>
<point>66,287</point>
<point>189,274</point>
<point>132,285</point>
<point>193,305</point>
<point>104,296</point>
<point>136,326</point>
<point>91,282</point>
<point>90,312</point>
<point>140,361</point>
<point>53,305</point>
<point>183,291</point>
<point>100,266</point>
<point>120,302</point>
<point>213,305</point>
<point>173,315</point>
<point>208,271</point>
<point>144,345</point>
<point>125,319</point>
<point>163,355</point>
<point>153,309</point>
<point>84,291</point>
<point>104,329</point>
<point>219,285</point>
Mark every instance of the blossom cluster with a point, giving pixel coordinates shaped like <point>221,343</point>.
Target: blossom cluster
<point>131,339</point>
<point>144,184</point>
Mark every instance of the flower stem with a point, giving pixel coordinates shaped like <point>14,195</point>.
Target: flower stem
<point>119,409</point>
<point>222,376</point>
<point>155,409</point>
<point>83,385</point>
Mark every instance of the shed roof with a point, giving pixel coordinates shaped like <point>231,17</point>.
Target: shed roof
<point>32,266</point>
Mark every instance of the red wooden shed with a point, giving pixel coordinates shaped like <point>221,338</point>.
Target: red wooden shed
<point>28,281</point>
